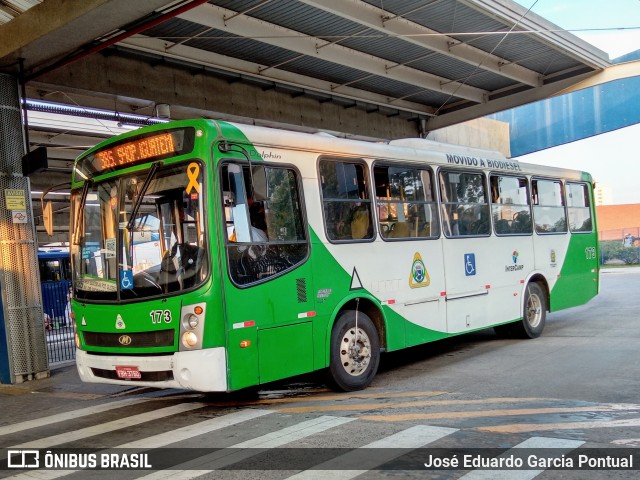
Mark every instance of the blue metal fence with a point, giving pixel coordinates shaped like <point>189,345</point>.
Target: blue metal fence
<point>56,293</point>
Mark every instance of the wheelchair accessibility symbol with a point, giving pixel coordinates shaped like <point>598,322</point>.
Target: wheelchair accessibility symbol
<point>469,264</point>
<point>126,279</point>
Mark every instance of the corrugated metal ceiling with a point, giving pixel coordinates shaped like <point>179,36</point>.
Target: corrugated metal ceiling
<point>425,58</point>
<point>437,61</point>
<point>360,44</point>
<point>9,9</point>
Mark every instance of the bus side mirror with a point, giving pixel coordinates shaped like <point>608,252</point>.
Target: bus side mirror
<point>47,218</point>
<point>47,208</point>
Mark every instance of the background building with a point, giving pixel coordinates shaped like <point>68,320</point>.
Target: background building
<point>603,194</point>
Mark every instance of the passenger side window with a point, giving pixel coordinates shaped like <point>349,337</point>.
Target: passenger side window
<point>346,201</point>
<point>578,207</point>
<point>465,209</point>
<point>406,202</point>
<point>510,205</point>
<point>264,222</point>
<point>548,206</point>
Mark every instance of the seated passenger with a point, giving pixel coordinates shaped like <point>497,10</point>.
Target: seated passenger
<point>400,230</point>
<point>360,223</point>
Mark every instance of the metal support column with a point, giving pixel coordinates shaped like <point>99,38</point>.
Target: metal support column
<point>24,346</point>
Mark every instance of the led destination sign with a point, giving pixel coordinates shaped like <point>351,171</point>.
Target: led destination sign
<point>146,148</point>
<point>140,149</point>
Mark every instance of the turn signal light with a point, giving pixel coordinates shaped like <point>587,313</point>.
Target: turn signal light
<point>245,343</point>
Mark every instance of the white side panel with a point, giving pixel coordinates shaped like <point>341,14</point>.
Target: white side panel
<point>452,300</point>
<point>510,264</point>
<point>467,277</point>
<point>388,273</point>
<point>550,252</point>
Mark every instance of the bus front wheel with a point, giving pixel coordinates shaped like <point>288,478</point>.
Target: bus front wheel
<point>355,352</point>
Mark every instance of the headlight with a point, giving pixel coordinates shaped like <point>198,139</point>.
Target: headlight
<point>189,339</point>
<point>190,321</point>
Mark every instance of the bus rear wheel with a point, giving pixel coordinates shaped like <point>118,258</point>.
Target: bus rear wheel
<point>534,314</point>
<point>355,352</point>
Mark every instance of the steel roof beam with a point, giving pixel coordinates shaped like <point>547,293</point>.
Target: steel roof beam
<point>373,17</point>
<point>547,32</point>
<point>463,114</point>
<point>243,67</point>
<point>252,28</point>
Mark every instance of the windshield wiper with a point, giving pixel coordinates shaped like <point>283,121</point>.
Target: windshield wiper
<point>143,190</point>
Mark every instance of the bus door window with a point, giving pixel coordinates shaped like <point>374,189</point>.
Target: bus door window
<point>264,224</point>
<point>465,210</point>
<point>548,206</point>
<point>235,201</point>
<point>406,202</point>
<point>346,201</point>
<point>510,205</point>
<point>578,207</point>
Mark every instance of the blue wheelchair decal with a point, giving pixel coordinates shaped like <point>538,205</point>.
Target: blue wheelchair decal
<point>126,279</point>
<point>469,264</point>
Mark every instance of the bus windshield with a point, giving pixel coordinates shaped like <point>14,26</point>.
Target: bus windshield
<point>140,235</point>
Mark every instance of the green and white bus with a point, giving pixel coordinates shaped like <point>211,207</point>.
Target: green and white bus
<point>213,256</point>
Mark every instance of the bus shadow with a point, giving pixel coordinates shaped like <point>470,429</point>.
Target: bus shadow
<point>448,349</point>
<point>316,383</point>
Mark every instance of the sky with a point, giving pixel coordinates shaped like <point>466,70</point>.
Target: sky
<point>599,22</point>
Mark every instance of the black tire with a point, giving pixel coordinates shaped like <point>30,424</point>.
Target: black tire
<point>352,365</point>
<point>504,331</point>
<point>534,315</point>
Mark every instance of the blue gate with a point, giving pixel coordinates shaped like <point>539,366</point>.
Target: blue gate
<point>55,282</point>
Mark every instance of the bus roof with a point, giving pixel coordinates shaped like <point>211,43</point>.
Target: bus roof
<point>407,149</point>
<point>53,253</point>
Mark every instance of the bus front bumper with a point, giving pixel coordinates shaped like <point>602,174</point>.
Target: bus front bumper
<point>200,370</point>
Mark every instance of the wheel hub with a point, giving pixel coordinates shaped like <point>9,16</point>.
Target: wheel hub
<point>534,310</point>
<point>355,353</point>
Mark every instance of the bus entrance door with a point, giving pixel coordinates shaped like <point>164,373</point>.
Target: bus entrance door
<point>467,283</point>
<point>270,330</point>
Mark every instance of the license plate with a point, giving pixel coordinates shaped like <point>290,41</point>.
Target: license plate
<point>128,373</point>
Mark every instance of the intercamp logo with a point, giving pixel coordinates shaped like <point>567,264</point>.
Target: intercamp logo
<point>515,267</point>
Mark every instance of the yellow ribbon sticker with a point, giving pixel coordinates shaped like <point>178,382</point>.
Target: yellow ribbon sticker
<point>193,170</point>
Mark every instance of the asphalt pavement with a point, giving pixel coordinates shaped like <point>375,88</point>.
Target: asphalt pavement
<point>64,383</point>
